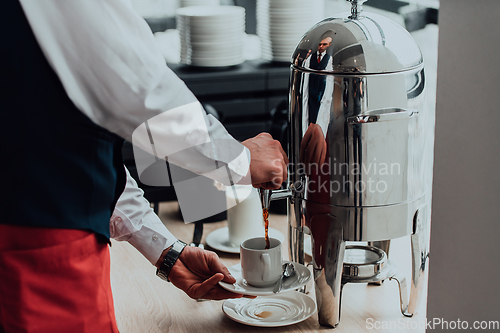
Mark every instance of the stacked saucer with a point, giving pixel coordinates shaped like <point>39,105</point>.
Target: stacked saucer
<point>189,3</point>
<point>269,309</point>
<point>282,23</point>
<point>211,36</point>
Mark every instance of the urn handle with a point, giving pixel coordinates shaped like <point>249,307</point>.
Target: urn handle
<point>356,8</point>
<point>382,115</point>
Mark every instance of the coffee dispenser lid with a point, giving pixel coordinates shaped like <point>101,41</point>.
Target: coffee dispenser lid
<point>364,43</point>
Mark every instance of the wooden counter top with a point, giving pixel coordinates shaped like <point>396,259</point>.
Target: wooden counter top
<point>145,303</point>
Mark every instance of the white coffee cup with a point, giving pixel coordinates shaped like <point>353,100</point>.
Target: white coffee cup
<point>244,218</point>
<point>261,267</point>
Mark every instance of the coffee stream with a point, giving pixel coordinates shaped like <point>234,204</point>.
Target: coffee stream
<point>265,214</point>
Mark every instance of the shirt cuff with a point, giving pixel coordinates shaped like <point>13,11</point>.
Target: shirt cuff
<point>150,237</point>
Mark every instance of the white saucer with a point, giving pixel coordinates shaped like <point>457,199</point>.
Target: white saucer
<point>219,239</point>
<point>272,311</point>
<point>300,278</point>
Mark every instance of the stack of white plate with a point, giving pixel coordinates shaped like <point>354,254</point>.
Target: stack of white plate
<point>189,3</point>
<point>282,23</point>
<point>211,36</point>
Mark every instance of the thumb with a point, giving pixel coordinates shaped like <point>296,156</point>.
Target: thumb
<point>216,265</point>
<point>228,278</point>
<point>204,287</point>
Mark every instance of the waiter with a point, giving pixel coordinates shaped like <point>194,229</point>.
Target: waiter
<point>78,77</point>
<point>318,85</point>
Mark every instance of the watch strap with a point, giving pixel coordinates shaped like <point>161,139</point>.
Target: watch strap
<point>170,259</point>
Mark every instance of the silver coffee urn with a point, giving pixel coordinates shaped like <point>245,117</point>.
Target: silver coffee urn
<point>360,149</point>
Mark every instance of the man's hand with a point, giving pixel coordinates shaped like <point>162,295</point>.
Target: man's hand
<point>268,161</point>
<point>313,148</point>
<point>198,272</point>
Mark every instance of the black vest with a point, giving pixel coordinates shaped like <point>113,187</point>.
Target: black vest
<point>313,64</point>
<point>58,168</point>
<point>317,85</point>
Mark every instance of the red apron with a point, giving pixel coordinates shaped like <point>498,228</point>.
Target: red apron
<point>54,280</point>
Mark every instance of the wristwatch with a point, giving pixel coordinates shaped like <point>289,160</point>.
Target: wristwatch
<point>170,259</point>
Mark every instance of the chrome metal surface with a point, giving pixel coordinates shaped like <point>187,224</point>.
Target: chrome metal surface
<point>328,253</point>
<point>403,294</point>
<point>389,270</point>
<point>265,198</point>
<point>356,8</point>
<point>420,242</point>
<point>359,151</point>
<point>296,244</point>
<point>384,246</point>
<point>366,44</point>
<point>375,223</point>
<point>363,262</point>
<point>348,163</point>
<point>281,194</point>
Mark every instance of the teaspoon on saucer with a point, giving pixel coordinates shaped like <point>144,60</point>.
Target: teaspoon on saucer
<point>288,270</point>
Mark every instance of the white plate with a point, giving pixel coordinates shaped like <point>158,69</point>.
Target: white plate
<point>236,52</point>
<point>211,25</point>
<point>288,23</point>
<point>187,3</point>
<point>227,37</point>
<point>299,279</point>
<point>285,36</point>
<point>278,53</point>
<point>216,46</point>
<point>285,32</point>
<point>199,12</point>
<point>210,17</point>
<point>279,310</point>
<point>272,41</point>
<point>209,30</point>
<point>288,13</point>
<point>204,55</point>
<point>309,5</point>
<point>208,61</point>
<point>281,48</point>
<point>200,54</point>
<point>210,20</point>
<point>219,239</point>
<point>213,62</point>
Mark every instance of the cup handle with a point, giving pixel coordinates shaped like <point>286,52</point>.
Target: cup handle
<point>266,259</point>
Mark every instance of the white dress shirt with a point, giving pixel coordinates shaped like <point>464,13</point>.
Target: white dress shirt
<point>134,220</point>
<point>106,58</point>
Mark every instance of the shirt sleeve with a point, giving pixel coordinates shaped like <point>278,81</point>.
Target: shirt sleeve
<point>111,68</point>
<point>134,221</point>
<point>326,104</point>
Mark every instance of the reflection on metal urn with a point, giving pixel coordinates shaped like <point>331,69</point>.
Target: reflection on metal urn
<point>360,154</point>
